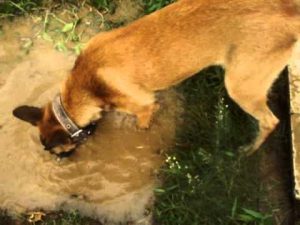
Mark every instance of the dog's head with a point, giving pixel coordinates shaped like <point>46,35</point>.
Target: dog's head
<point>52,135</point>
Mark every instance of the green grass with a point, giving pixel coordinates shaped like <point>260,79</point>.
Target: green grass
<point>153,5</point>
<point>206,181</point>
<point>12,8</point>
<point>9,9</point>
<point>71,218</point>
<point>52,218</point>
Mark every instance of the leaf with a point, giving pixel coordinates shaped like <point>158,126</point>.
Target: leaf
<point>245,218</point>
<point>74,37</point>
<point>77,49</point>
<point>254,214</point>
<point>159,190</point>
<point>68,27</point>
<point>234,207</point>
<point>60,46</point>
<point>172,187</point>
<point>46,37</point>
<point>229,154</point>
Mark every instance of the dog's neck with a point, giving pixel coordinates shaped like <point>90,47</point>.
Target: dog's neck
<point>80,104</point>
<point>84,94</point>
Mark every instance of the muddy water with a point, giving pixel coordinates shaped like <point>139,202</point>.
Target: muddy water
<point>111,177</point>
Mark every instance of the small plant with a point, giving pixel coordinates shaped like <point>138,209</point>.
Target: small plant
<point>64,31</point>
<point>153,5</point>
<point>18,7</point>
<point>67,218</point>
<point>108,5</point>
<point>246,216</point>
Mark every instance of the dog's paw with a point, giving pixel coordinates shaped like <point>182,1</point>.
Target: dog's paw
<point>144,116</point>
<point>143,124</point>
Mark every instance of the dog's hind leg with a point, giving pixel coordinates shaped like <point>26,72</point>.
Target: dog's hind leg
<point>248,85</point>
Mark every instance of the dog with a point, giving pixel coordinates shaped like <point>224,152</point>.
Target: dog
<point>254,40</point>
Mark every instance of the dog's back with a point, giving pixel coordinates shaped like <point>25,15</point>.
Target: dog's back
<point>162,48</point>
<point>252,39</point>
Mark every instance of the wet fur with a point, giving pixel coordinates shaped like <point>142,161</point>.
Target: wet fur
<point>121,69</point>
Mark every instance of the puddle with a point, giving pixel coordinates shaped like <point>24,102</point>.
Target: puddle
<point>111,177</point>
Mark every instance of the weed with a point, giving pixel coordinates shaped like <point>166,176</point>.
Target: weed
<point>247,216</point>
<point>104,4</point>
<point>153,5</point>
<point>18,7</point>
<point>68,218</point>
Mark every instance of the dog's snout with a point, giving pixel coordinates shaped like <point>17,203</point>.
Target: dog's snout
<point>42,140</point>
<point>46,148</point>
<point>44,143</point>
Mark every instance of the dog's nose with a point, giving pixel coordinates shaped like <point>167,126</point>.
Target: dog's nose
<point>43,141</point>
<point>46,148</point>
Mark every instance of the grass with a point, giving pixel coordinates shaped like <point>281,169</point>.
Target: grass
<point>54,218</point>
<point>206,180</point>
<point>9,9</point>
<point>13,8</point>
<point>71,218</point>
<point>153,5</point>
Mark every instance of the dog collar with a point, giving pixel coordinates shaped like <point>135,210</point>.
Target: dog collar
<point>77,134</point>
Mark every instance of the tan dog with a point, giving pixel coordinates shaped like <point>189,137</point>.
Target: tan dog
<point>121,69</point>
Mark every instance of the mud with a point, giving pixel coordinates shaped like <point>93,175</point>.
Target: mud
<point>110,178</point>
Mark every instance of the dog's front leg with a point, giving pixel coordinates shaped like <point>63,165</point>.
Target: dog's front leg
<point>142,105</point>
<point>145,114</point>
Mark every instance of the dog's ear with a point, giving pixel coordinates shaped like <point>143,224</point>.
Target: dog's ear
<point>29,114</point>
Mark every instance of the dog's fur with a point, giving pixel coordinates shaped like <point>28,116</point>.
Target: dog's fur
<point>121,69</point>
